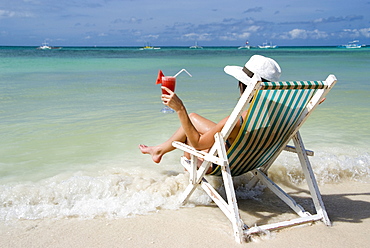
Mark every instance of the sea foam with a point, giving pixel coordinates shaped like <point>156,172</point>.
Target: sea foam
<point>118,193</point>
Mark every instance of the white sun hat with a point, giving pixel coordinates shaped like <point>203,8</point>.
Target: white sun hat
<point>267,68</point>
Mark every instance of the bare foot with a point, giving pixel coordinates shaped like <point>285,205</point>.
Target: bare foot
<point>152,150</point>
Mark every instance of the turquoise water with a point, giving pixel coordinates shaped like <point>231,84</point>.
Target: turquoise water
<point>71,120</point>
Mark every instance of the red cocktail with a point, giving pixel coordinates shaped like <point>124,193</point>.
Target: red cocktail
<point>169,82</point>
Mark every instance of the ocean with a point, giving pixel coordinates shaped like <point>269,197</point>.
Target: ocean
<point>71,121</point>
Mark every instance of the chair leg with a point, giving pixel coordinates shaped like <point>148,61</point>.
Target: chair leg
<point>234,217</point>
<point>230,191</point>
<point>229,208</point>
<point>281,194</point>
<point>192,169</point>
<point>310,178</point>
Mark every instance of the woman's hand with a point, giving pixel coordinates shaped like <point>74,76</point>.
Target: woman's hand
<point>171,100</point>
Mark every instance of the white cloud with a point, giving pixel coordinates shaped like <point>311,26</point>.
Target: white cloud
<point>303,34</point>
<point>152,36</point>
<point>228,33</point>
<point>365,32</point>
<point>356,33</point>
<point>195,36</point>
<point>6,13</point>
<point>332,19</point>
<point>10,14</point>
<point>235,36</point>
<point>298,34</point>
<point>253,28</point>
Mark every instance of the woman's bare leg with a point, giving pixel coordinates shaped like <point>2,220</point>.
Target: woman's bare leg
<point>200,123</point>
<point>159,150</point>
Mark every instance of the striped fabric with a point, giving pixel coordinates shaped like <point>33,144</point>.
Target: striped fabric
<point>293,85</point>
<point>271,119</point>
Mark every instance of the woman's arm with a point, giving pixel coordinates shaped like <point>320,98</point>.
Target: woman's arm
<point>197,140</point>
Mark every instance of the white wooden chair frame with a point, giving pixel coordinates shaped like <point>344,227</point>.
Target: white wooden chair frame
<point>218,155</point>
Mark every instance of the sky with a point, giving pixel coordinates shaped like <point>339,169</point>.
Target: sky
<point>182,23</point>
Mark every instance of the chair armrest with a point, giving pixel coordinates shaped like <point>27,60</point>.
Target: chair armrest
<point>200,154</point>
<point>293,149</point>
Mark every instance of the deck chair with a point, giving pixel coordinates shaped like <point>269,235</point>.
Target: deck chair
<point>276,111</point>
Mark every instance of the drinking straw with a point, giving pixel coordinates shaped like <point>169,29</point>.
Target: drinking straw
<point>182,71</point>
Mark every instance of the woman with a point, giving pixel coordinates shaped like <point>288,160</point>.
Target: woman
<point>198,131</point>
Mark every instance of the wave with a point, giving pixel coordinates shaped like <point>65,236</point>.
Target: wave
<point>117,193</point>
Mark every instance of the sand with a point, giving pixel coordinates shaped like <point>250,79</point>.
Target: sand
<point>348,206</point>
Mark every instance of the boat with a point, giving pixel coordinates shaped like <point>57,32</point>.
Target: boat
<point>353,44</point>
<point>149,47</point>
<point>196,46</point>
<point>267,45</point>
<point>247,46</point>
<point>45,46</point>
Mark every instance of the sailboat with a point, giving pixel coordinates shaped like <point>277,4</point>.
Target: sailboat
<point>267,45</point>
<point>247,46</point>
<point>196,46</point>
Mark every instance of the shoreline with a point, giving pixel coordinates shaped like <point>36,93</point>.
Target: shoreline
<point>347,204</point>
<point>185,47</point>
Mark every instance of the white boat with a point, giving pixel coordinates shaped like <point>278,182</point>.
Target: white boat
<point>353,44</point>
<point>196,46</point>
<point>247,46</point>
<point>267,45</point>
<point>45,46</point>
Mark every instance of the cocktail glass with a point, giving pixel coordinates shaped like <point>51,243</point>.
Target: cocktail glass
<point>170,83</point>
